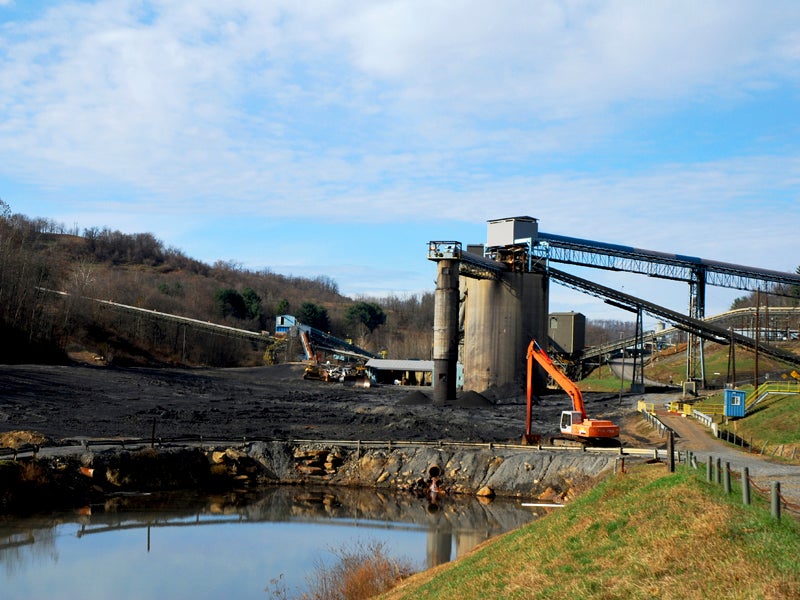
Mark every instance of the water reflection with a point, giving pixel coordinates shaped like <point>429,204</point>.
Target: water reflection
<point>231,545</point>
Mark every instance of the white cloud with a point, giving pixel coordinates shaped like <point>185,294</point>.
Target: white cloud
<point>135,113</point>
<point>245,99</point>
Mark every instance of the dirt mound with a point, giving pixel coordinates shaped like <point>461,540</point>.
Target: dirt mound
<point>469,399</point>
<point>18,439</point>
<point>415,398</point>
<point>509,393</point>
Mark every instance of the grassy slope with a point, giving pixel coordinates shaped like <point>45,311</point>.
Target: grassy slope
<point>777,420</point>
<point>643,534</point>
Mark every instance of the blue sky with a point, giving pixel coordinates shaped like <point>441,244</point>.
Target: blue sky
<point>338,137</point>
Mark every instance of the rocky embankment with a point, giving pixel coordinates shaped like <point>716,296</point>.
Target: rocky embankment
<point>87,477</point>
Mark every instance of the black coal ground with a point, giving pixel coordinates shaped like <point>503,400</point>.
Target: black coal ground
<point>78,401</point>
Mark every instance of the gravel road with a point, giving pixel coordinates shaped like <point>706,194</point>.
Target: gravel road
<point>693,436</point>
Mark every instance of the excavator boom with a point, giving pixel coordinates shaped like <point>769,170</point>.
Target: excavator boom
<point>535,351</point>
<point>575,424</point>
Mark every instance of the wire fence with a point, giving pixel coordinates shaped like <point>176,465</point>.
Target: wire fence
<point>716,473</point>
<point>722,474</point>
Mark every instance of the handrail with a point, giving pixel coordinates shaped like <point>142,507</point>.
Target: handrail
<point>771,387</point>
<point>81,444</point>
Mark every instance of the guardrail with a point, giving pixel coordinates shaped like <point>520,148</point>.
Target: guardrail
<point>703,418</point>
<point>77,444</point>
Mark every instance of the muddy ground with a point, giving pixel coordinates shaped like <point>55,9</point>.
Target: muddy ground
<point>67,402</point>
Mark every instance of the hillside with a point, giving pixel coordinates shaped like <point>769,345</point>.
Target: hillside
<point>139,270</point>
<point>718,365</point>
<point>671,367</point>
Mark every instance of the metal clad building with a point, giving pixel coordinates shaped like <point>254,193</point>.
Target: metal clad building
<point>406,372</point>
<point>734,403</point>
<point>567,331</point>
<point>504,232</point>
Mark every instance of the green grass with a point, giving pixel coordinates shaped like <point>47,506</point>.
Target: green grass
<point>716,361</point>
<point>601,379</point>
<point>643,534</point>
<point>774,422</point>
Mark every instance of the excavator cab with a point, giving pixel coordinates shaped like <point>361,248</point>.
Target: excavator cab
<point>568,419</point>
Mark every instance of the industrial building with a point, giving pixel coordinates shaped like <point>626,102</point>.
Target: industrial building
<point>492,299</point>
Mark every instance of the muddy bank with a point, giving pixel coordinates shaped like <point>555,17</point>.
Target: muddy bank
<point>73,480</point>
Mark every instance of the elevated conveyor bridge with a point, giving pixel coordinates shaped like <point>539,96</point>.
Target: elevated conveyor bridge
<point>678,267</point>
<point>321,339</point>
<point>705,329</point>
<point>538,253</point>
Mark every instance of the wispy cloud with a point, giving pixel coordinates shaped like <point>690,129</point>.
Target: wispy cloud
<point>179,98</point>
<point>384,112</point>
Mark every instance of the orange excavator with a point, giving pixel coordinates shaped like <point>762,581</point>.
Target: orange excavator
<point>575,424</point>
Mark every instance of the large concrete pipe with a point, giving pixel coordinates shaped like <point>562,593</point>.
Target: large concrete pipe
<point>445,331</point>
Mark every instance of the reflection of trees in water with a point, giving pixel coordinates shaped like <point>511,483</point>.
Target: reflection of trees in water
<point>467,520</point>
<point>27,543</point>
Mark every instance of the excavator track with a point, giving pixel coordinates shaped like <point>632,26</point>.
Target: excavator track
<point>565,442</point>
<point>568,442</point>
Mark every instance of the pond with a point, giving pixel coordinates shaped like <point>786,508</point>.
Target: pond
<point>233,545</point>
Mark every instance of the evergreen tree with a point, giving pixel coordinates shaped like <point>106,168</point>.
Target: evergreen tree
<point>314,315</point>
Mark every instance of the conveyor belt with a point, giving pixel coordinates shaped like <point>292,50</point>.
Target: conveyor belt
<point>696,327</point>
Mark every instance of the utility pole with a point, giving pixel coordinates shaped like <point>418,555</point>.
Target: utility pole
<point>758,335</point>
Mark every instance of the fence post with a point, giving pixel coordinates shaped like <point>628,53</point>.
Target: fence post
<point>746,486</point>
<point>708,468</point>
<point>671,451</point>
<point>727,478</point>
<point>776,499</point>
<point>719,470</point>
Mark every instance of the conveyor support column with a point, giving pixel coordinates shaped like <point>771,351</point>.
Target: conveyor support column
<point>445,331</point>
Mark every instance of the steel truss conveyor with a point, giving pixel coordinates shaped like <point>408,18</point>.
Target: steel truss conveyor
<point>540,250</point>
<point>678,267</point>
<point>700,328</point>
<point>697,272</point>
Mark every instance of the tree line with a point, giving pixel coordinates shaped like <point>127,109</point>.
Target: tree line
<point>137,269</point>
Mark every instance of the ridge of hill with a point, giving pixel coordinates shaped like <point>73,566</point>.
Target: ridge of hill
<point>139,270</point>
